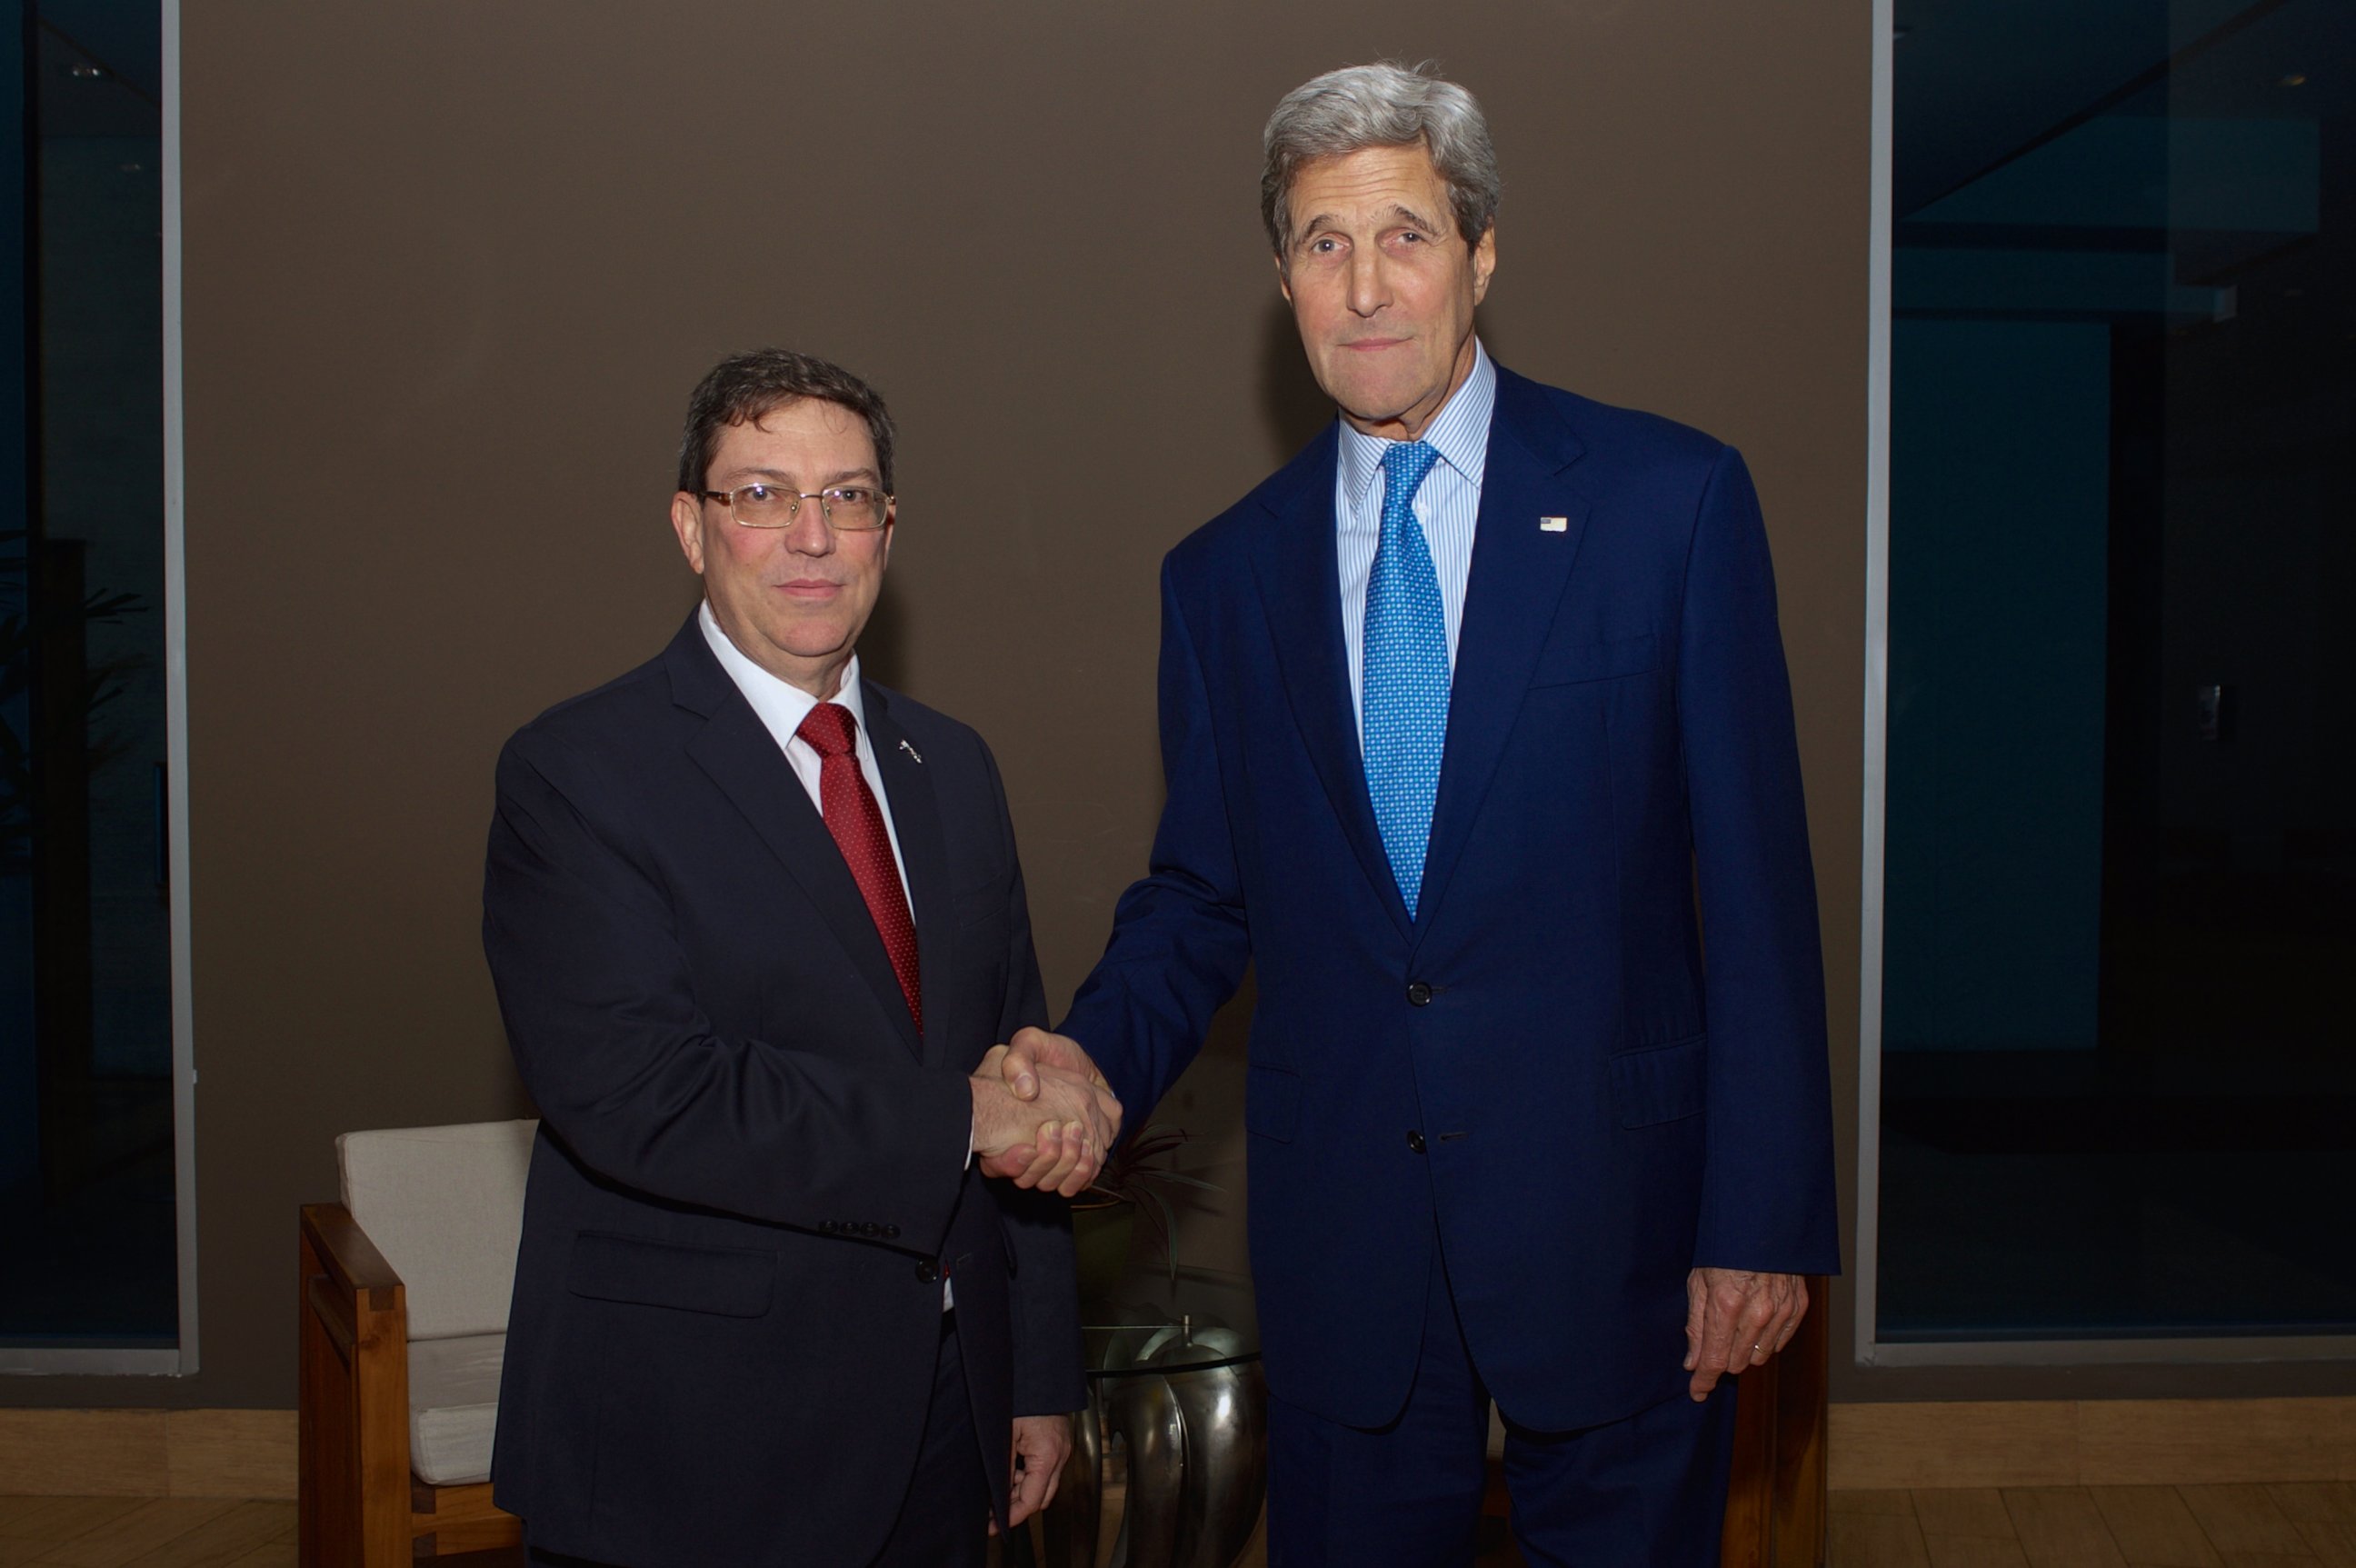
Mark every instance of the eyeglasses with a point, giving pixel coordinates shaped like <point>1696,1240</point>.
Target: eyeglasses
<point>848,509</point>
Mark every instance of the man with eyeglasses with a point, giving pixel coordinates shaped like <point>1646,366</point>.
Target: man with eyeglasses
<point>755,924</point>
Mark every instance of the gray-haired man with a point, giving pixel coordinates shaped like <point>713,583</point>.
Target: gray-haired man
<point>1456,708</point>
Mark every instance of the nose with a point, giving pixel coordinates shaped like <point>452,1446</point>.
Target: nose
<point>1368,290</point>
<point>808,533</point>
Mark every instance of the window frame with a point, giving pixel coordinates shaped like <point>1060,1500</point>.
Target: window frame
<point>1868,1350</point>
<point>181,1360</point>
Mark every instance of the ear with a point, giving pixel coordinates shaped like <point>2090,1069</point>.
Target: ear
<point>687,522</point>
<point>1484,261</point>
<point>1283,281</point>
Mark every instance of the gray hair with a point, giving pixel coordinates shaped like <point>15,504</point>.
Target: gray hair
<point>1381,105</point>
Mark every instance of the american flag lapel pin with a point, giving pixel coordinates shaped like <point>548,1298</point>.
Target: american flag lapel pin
<point>911,750</point>
<point>1553,525</point>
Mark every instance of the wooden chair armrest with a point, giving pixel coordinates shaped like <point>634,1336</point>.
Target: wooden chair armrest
<point>354,1293</point>
<point>343,1250</point>
<point>353,1429</point>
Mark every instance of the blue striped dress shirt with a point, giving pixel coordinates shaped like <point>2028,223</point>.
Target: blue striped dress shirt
<point>1447,505</point>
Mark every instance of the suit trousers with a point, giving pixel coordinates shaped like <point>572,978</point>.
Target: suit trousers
<point>1649,1489</point>
<point>944,1521</point>
<point>945,1518</point>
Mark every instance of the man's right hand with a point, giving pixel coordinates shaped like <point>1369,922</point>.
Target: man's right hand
<point>1067,1123</point>
<point>1041,1162</point>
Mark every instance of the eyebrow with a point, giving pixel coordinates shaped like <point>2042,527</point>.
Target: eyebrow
<point>1409,214</point>
<point>779,475</point>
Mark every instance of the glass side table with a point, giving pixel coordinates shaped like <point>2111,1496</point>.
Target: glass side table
<point>1173,1378</point>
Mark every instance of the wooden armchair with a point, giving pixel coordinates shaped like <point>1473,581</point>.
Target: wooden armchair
<point>1775,1509</point>
<point>1775,1490</point>
<point>402,1294</point>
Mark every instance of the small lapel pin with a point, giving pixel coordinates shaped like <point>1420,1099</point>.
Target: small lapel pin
<point>1553,525</point>
<point>911,750</point>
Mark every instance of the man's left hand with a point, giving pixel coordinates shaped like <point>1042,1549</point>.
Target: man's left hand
<point>1042,1443</point>
<point>1736,1318</point>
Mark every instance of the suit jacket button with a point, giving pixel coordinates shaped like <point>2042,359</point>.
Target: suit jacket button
<point>826,1227</point>
<point>928,1272</point>
<point>891,1233</point>
<point>1415,1140</point>
<point>873,1228</point>
<point>1418,994</point>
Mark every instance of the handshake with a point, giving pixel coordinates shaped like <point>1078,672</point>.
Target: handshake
<point>1043,1116</point>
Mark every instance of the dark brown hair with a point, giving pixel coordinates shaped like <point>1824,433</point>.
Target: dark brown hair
<point>748,387</point>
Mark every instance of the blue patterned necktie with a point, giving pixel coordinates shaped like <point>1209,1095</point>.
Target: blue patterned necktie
<point>1405,689</point>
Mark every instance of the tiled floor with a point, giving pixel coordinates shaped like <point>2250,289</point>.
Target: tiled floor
<point>2305,1525</point>
<point>2309,1524</point>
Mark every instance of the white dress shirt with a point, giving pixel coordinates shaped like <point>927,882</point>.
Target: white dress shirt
<point>1447,506</point>
<point>782,706</point>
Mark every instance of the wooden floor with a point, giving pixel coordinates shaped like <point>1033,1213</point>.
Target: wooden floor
<point>2310,1524</point>
<point>2305,1525</point>
<point>151,1532</point>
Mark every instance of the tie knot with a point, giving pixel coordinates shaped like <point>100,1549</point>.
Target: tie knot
<point>1405,464</point>
<point>830,729</point>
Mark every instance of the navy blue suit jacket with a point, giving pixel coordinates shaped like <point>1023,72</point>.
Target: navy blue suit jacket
<point>749,1176</point>
<point>1548,1070</point>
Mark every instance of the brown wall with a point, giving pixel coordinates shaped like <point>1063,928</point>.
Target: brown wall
<point>451,269</point>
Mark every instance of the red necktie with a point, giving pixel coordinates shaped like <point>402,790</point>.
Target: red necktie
<point>857,823</point>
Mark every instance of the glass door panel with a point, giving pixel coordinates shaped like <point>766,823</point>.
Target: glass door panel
<point>2118,1087</point>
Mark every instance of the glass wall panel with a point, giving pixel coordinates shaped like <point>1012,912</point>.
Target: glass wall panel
<point>2118,1087</point>
<point>87,1199</point>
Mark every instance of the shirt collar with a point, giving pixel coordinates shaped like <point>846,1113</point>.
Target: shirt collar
<point>781,704</point>
<point>1458,433</point>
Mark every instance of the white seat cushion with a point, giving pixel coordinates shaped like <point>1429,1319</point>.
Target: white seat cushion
<point>444,1205</point>
<point>453,1407</point>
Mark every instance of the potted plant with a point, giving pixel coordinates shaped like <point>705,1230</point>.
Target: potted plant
<point>1130,1187</point>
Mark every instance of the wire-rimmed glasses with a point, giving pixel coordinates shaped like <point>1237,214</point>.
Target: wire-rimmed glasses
<point>848,509</point>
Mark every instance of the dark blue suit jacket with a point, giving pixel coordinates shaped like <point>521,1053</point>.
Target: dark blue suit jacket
<point>1549,1071</point>
<point>750,1170</point>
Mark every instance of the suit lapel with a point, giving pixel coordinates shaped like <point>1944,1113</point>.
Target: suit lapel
<point>1516,580</point>
<point>924,852</point>
<point>1301,592</point>
<point>740,755</point>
